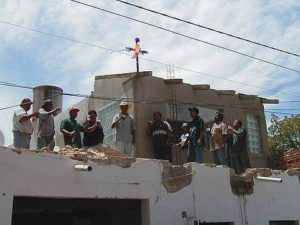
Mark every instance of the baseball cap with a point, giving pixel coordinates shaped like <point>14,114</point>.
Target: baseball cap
<point>47,101</point>
<point>74,109</point>
<point>184,125</point>
<point>26,101</point>
<point>123,103</point>
<point>194,109</point>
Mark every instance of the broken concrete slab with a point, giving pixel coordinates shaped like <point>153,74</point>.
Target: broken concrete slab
<point>175,177</point>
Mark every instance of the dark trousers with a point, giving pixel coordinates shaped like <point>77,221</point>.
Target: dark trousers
<point>195,153</point>
<point>162,152</point>
<point>240,162</point>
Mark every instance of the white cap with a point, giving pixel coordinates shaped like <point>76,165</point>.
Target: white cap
<point>123,103</point>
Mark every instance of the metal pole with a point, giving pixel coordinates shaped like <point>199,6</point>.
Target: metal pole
<point>83,167</point>
<point>269,179</point>
<point>137,65</point>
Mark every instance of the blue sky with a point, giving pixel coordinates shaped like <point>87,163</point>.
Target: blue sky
<point>33,59</point>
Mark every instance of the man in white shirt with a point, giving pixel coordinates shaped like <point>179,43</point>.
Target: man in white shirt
<point>125,127</point>
<point>22,125</point>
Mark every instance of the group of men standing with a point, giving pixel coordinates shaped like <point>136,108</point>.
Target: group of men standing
<point>70,128</point>
<point>228,144</point>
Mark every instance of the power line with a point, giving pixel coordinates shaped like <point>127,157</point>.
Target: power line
<point>143,101</point>
<point>14,85</point>
<point>64,38</point>
<point>187,36</point>
<point>127,54</point>
<point>208,28</point>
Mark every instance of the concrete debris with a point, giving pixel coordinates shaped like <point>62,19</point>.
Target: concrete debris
<point>265,172</point>
<point>101,154</point>
<point>175,177</point>
<point>241,184</point>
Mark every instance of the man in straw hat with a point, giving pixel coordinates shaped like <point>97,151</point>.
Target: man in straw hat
<point>22,125</point>
<point>46,129</point>
<point>125,127</point>
<point>71,129</point>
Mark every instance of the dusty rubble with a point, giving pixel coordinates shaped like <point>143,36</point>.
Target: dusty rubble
<point>241,184</point>
<point>174,177</point>
<point>101,154</point>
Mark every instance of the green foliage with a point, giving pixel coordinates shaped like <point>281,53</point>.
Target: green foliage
<point>284,134</point>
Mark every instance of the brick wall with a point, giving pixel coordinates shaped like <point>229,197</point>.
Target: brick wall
<point>292,159</point>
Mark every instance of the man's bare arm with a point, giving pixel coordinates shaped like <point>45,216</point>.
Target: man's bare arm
<point>28,117</point>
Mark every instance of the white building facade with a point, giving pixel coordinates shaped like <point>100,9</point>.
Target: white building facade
<point>147,192</point>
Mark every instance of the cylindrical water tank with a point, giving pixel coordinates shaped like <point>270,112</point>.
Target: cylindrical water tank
<point>2,140</point>
<point>41,93</point>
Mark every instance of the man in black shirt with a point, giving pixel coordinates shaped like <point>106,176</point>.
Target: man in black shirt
<point>160,131</point>
<point>93,131</point>
<point>196,137</point>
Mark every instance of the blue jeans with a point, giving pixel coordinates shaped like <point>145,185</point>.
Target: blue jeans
<point>220,157</point>
<point>195,153</point>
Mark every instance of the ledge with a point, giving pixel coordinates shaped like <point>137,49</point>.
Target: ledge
<point>269,101</point>
<point>174,81</point>
<point>247,97</point>
<point>225,92</point>
<point>198,87</point>
<point>123,75</point>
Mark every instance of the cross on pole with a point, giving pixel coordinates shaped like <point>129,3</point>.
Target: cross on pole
<point>137,51</point>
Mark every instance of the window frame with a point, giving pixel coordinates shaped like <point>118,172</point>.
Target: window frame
<point>254,130</point>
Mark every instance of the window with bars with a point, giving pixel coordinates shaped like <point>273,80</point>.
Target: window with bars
<point>254,134</point>
<point>106,115</point>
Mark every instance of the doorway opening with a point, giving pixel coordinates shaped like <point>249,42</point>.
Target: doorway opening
<point>49,211</point>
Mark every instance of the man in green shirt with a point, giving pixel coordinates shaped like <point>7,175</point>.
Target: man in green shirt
<point>71,129</point>
<point>239,154</point>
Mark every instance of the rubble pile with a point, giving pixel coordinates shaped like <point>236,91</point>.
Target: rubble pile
<point>175,177</point>
<point>100,154</point>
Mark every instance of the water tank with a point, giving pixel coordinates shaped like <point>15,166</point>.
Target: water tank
<point>41,93</point>
<point>2,140</point>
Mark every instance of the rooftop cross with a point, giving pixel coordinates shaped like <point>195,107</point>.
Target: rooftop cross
<point>137,51</point>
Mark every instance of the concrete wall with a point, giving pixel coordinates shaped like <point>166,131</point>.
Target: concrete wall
<point>113,87</point>
<point>208,197</point>
<point>235,106</point>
